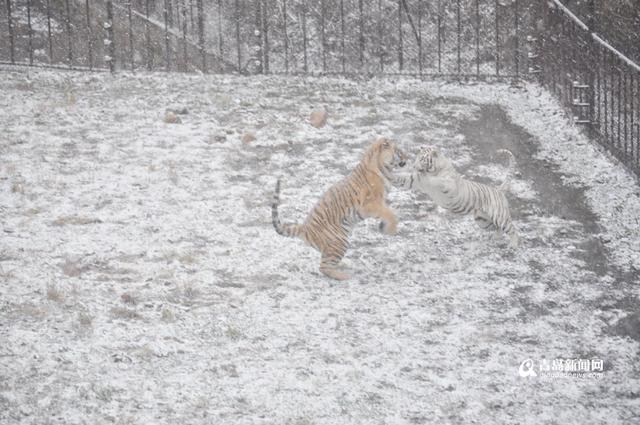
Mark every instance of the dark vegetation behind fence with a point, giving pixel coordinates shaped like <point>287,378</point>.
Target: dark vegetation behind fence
<point>446,37</point>
<point>455,38</point>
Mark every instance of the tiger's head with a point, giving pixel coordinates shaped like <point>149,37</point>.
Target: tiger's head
<point>430,161</point>
<point>384,155</point>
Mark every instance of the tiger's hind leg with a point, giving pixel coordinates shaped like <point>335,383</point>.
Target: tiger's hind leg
<point>482,219</point>
<point>330,262</point>
<point>504,223</point>
<point>514,239</point>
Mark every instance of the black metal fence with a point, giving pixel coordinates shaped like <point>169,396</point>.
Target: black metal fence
<point>598,84</point>
<point>459,38</point>
<point>471,38</point>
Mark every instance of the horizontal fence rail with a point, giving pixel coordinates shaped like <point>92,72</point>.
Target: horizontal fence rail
<point>466,38</point>
<point>597,83</point>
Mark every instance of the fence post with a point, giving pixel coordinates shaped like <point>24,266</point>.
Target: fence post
<point>458,31</point>
<point>420,58</point>
<point>220,49</point>
<point>324,44</point>
<point>477,38</point>
<point>400,46</point>
<point>200,10</point>
<point>265,37</point>
<point>89,34</point>
<point>69,35</point>
<point>439,23</point>
<point>11,42</point>
<point>592,23</point>
<point>237,18</point>
<point>517,44</point>
<point>380,38</point>
<point>342,35</point>
<point>109,41</point>
<point>167,56</point>
<point>147,35</point>
<point>30,29</point>
<point>130,19</point>
<point>304,38</point>
<point>285,39</point>
<point>497,10</point>
<point>361,12</point>
<point>259,50</point>
<point>50,43</point>
<point>184,35</point>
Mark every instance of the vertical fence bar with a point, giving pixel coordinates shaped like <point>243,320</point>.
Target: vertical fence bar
<point>203,53</point>
<point>169,8</point>
<point>305,64</point>
<point>459,30</point>
<point>258,36</point>
<point>220,46</point>
<point>606,96</point>
<point>193,23</point>
<point>361,25</point>
<point>69,35</point>
<point>420,58</point>
<point>380,38</point>
<point>30,29</point>
<point>265,35</point>
<point>12,47</point>
<point>322,29</point>
<point>400,46</point>
<point>597,95</point>
<point>237,19</point>
<point>517,40</point>
<point>497,5</point>
<point>439,23</point>
<point>634,147</point>
<point>110,41</point>
<point>184,36</point>
<point>612,98</point>
<point>89,34</point>
<point>49,39</point>
<point>626,115</point>
<point>285,36</point>
<point>167,55</point>
<point>178,25</point>
<point>477,38</point>
<point>147,36</point>
<point>130,22</point>
<point>11,35</point>
<point>619,97</point>
<point>342,35</point>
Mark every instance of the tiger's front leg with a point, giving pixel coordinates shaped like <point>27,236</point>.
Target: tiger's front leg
<point>404,181</point>
<point>389,221</point>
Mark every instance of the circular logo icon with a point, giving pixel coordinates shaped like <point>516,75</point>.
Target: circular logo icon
<point>526,369</point>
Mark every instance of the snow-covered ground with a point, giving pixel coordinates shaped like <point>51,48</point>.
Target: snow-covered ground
<point>141,281</point>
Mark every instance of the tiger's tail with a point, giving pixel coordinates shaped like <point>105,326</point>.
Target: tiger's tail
<point>290,230</point>
<point>512,166</point>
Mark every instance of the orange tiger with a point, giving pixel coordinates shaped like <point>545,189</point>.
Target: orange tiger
<point>358,196</point>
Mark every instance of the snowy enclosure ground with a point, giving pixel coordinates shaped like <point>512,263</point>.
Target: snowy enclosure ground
<point>141,281</point>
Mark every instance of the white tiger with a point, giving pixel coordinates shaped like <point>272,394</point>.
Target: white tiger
<point>434,175</point>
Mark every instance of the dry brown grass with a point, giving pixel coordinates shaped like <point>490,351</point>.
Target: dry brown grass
<point>125,313</point>
<point>167,315</point>
<point>74,220</point>
<point>54,293</point>
<point>128,299</point>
